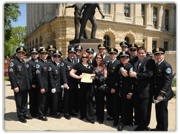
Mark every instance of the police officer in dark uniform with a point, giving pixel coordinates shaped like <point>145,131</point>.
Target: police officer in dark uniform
<point>42,83</point>
<point>102,51</point>
<point>78,52</point>
<point>33,93</point>
<point>149,54</point>
<point>50,49</point>
<point>125,87</point>
<point>163,91</point>
<point>69,94</point>
<point>124,47</point>
<point>57,74</point>
<point>90,51</point>
<point>112,70</point>
<point>19,78</point>
<point>133,49</point>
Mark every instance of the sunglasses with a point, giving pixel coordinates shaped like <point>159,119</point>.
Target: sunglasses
<point>133,50</point>
<point>57,56</point>
<point>84,57</point>
<point>98,58</point>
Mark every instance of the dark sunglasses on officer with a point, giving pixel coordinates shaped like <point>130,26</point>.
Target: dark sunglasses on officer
<point>56,56</point>
<point>133,50</point>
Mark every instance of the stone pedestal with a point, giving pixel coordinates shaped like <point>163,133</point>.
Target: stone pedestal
<point>86,43</point>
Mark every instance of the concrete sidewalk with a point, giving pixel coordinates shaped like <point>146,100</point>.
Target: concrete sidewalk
<point>11,122</point>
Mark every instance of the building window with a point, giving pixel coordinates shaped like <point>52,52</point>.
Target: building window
<point>143,13</point>
<point>106,8</point>
<point>154,45</point>
<point>127,9</point>
<point>167,20</point>
<point>155,17</point>
<point>166,46</point>
<point>127,39</point>
<point>107,41</point>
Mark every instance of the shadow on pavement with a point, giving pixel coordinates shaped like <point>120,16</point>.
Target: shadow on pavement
<point>12,116</point>
<point>10,97</point>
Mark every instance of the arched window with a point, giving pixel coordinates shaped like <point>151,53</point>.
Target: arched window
<point>127,39</point>
<point>107,40</point>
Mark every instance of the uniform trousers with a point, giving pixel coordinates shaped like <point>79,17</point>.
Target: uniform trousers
<point>85,101</point>
<point>56,103</point>
<point>41,103</point>
<point>114,105</point>
<point>21,103</point>
<point>99,99</point>
<point>125,110</point>
<point>33,96</point>
<point>162,115</point>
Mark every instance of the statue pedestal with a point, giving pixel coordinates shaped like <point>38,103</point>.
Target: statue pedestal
<point>86,43</point>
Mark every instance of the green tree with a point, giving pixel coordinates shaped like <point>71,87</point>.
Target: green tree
<point>17,39</point>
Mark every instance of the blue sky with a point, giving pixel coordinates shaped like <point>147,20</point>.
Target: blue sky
<point>22,18</point>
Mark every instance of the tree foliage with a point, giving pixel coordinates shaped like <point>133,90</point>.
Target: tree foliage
<point>17,39</point>
<point>11,13</point>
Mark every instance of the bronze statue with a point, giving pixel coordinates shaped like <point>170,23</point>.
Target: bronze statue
<point>78,19</point>
<point>88,14</point>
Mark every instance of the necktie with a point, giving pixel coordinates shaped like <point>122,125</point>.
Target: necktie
<point>138,65</point>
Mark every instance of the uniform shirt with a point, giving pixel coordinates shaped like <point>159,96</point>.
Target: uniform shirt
<point>18,75</point>
<point>42,74</point>
<point>32,70</point>
<point>111,72</point>
<point>163,80</point>
<point>57,75</point>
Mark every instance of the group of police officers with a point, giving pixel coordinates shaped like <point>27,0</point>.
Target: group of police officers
<point>134,80</point>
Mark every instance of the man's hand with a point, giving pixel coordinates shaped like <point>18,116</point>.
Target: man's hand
<point>129,96</point>
<point>16,90</point>
<point>66,86</point>
<point>159,98</point>
<point>124,72</point>
<point>42,90</point>
<point>34,86</point>
<point>112,90</point>
<point>132,74</point>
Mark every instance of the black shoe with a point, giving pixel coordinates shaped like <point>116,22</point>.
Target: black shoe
<point>73,114</point>
<point>22,120</point>
<point>67,116</point>
<point>139,129</point>
<point>100,122</point>
<point>92,121</point>
<point>43,118</point>
<point>120,127</point>
<point>57,116</point>
<point>76,111</point>
<point>109,119</point>
<point>81,118</point>
<point>115,124</point>
<point>28,117</point>
<point>147,129</point>
<point>155,129</point>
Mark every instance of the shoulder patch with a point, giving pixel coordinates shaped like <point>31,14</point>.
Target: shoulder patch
<point>168,70</point>
<point>62,64</point>
<point>37,66</point>
<point>11,64</point>
<point>50,68</point>
<point>27,65</point>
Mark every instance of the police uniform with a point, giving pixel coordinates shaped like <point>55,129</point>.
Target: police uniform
<point>19,77</point>
<point>57,75</point>
<point>90,51</point>
<point>42,82</point>
<point>105,57</point>
<point>112,70</point>
<point>69,94</point>
<point>125,87</point>
<point>33,93</point>
<point>122,44</point>
<point>162,83</point>
<point>80,48</point>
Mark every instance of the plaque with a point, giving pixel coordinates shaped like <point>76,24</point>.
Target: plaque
<point>87,78</point>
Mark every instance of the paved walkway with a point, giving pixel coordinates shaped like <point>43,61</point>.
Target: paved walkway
<point>11,122</point>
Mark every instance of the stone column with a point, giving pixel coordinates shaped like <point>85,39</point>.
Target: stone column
<point>149,44</point>
<point>149,16</point>
<point>138,20</point>
<point>119,13</point>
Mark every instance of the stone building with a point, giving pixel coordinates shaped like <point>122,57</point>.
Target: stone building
<point>149,24</point>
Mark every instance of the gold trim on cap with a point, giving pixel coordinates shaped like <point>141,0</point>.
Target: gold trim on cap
<point>102,46</point>
<point>21,50</point>
<point>51,48</point>
<point>44,51</point>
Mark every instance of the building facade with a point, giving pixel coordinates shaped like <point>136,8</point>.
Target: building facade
<point>149,24</point>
